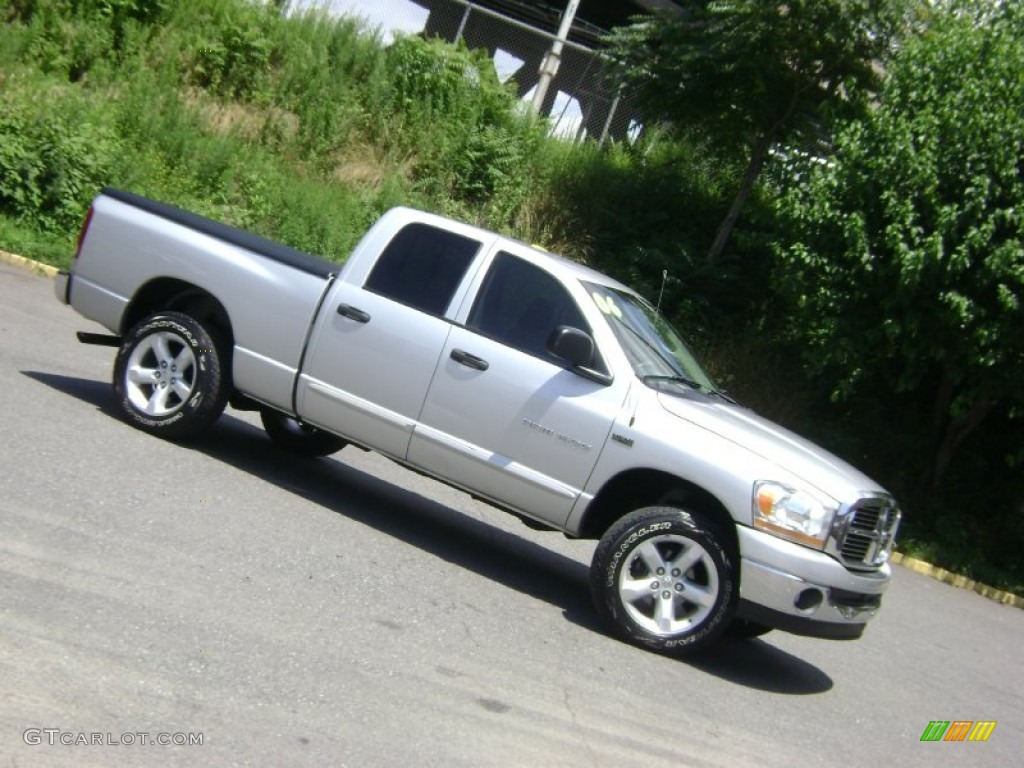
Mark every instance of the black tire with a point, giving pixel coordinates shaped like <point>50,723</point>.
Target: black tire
<point>742,629</point>
<point>169,376</point>
<point>298,438</point>
<point>675,611</point>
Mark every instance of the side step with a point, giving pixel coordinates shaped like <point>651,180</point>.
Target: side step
<point>99,339</point>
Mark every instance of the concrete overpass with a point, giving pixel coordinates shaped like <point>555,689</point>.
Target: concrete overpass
<point>593,19</point>
<point>524,29</point>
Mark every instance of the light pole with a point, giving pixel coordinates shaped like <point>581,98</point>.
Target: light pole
<point>553,58</point>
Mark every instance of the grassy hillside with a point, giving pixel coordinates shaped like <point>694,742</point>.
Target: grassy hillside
<point>302,128</point>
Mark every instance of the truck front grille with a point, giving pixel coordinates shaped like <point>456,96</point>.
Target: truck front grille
<point>868,532</point>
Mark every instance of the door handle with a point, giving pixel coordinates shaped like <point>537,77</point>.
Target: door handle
<point>471,361</point>
<point>352,313</point>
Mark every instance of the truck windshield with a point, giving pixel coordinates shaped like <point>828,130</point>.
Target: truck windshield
<point>658,356</point>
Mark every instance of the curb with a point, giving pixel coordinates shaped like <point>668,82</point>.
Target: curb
<point>955,580</point>
<point>897,558</point>
<point>32,266</point>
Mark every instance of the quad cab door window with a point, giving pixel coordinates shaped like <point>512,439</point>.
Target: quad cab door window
<point>422,267</point>
<point>377,345</point>
<point>521,305</point>
<point>504,414</point>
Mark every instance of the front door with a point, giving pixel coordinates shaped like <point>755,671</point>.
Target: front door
<point>503,416</point>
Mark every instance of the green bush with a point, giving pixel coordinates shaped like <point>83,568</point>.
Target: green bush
<point>55,152</point>
<point>473,143</point>
<point>71,37</point>
<point>330,76</point>
<point>230,53</point>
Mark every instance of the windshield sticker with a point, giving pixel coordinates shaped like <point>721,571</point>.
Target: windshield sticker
<point>607,305</point>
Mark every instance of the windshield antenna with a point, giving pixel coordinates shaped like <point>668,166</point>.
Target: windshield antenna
<point>664,279</point>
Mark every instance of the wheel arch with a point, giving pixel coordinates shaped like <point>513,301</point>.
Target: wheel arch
<point>172,294</point>
<point>635,488</point>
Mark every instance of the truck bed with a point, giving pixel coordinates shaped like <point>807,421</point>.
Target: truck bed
<point>270,291</point>
<point>306,262</point>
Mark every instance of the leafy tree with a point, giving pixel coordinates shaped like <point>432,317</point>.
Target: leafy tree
<point>907,260</point>
<point>753,74</point>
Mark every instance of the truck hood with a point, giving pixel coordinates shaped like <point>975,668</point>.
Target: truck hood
<point>793,454</point>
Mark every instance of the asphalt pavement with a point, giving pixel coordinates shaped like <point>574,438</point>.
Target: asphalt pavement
<point>252,608</point>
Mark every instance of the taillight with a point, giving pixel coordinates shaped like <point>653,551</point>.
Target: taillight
<point>82,231</point>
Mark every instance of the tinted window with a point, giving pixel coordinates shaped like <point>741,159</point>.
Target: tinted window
<point>520,305</point>
<point>422,267</point>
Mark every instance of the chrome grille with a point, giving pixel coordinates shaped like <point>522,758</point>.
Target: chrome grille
<point>868,532</point>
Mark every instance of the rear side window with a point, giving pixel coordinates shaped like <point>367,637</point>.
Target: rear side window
<point>422,267</point>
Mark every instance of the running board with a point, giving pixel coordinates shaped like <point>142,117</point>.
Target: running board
<point>99,339</point>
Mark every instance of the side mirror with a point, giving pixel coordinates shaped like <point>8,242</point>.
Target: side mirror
<point>572,345</point>
<point>576,347</point>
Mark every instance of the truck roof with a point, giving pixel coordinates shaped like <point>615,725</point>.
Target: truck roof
<point>563,266</point>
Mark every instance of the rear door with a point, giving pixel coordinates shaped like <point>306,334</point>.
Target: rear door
<point>376,345</point>
<point>503,416</point>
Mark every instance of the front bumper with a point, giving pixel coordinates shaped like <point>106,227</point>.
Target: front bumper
<point>797,589</point>
<point>62,287</point>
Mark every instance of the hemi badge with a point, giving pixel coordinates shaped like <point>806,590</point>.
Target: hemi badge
<point>626,441</point>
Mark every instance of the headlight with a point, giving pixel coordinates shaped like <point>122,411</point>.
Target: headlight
<point>792,514</point>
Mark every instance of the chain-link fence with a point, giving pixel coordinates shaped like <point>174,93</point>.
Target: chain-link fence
<point>582,101</point>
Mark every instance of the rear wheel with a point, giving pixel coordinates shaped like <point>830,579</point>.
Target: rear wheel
<point>663,578</point>
<point>168,376</point>
<point>298,438</point>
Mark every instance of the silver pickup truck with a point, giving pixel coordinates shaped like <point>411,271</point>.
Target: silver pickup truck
<point>531,382</point>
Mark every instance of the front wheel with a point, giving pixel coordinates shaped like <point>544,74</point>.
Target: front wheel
<point>664,579</point>
<point>169,377</point>
<point>296,437</point>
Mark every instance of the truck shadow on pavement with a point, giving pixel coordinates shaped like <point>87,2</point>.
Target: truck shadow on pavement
<point>453,536</point>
